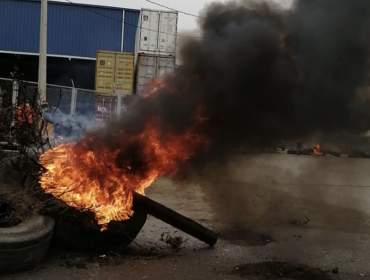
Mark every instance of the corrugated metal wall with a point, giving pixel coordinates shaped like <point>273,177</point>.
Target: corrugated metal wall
<point>82,31</point>
<point>131,22</point>
<point>73,30</point>
<point>19,23</point>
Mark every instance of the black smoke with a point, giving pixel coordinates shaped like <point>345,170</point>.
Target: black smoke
<point>260,73</point>
<point>332,51</point>
<point>257,74</point>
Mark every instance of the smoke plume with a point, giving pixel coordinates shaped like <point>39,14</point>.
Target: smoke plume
<point>258,73</point>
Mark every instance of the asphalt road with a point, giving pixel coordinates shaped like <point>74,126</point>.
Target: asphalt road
<point>271,207</point>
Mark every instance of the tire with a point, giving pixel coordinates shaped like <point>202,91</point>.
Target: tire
<point>24,246</point>
<point>87,236</point>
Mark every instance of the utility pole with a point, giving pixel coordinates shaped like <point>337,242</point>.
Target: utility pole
<point>43,46</point>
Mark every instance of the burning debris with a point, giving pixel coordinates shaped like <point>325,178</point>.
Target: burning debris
<point>317,150</point>
<point>256,74</point>
<point>93,177</point>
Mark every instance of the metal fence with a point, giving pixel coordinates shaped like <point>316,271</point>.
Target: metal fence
<point>71,101</point>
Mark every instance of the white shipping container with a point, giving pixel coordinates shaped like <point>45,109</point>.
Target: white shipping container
<point>157,33</point>
<point>150,67</point>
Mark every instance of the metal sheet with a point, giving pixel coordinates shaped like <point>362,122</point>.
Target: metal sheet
<point>150,67</point>
<point>73,29</point>
<point>157,32</point>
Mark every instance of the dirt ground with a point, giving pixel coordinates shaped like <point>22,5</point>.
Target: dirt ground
<point>278,217</point>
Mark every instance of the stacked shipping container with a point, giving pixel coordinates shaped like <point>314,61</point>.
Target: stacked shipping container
<point>113,80</point>
<point>155,46</point>
<point>114,73</point>
<point>155,55</point>
<point>151,66</point>
<point>157,32</point>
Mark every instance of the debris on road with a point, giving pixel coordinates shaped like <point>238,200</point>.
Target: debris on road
<point>300,222</point>
<point>335,270</point>
<point>175,242</point>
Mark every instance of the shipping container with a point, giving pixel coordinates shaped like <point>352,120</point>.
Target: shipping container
<point>150,67</point>
<point>74,30</point>
<point>114,73</point>
<point>106,107</point>
<point>124,73</point>
<point>157,32</point>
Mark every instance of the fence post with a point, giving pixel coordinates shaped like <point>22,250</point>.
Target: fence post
<point>119,104</point>
<point>14,98</point>
<point>73,101</point>
<point>1,97</point>
<point>15,92</point>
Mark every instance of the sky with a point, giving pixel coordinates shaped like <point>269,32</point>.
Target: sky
<point>189,6</point>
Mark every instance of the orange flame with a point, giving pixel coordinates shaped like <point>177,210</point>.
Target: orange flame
<point>103,180</point>
<point>317,150</point>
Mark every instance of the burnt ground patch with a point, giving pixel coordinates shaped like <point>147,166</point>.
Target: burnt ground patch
<point>246,237</point>
<point>281,270</point>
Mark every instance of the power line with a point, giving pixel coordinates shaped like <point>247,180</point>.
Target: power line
<point>130,24</point>
<point>181,12</point>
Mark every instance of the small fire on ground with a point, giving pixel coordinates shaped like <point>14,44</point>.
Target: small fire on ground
<point>103,180</point>
<point>317,150</point>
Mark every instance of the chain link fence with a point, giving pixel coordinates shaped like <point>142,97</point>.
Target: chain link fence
<point>70,101</point>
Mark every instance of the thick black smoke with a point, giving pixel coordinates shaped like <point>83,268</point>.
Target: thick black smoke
<point>259,74</point>
<point>332,49</point>
<point>256,75</point>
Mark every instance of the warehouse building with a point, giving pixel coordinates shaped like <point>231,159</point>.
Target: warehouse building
<point>75,33</point>
<point>96,56</point>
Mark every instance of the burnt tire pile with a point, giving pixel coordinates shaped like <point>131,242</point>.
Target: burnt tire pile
<point>25,245</point>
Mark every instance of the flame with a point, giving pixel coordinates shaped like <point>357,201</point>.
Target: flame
<point>103,180</point>
<point>317,150</point>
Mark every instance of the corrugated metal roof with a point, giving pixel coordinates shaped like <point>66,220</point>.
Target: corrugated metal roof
<point>73,30</point>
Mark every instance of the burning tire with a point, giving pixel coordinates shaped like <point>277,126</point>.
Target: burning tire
<point>79,230</point>
<point>24,246</point>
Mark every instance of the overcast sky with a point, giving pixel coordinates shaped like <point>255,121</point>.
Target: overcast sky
<point>189,6</point>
